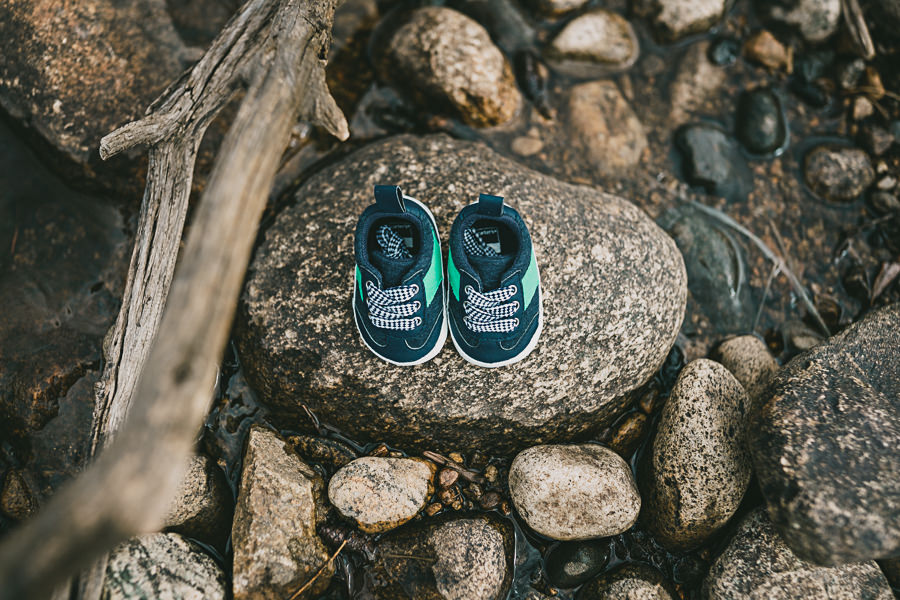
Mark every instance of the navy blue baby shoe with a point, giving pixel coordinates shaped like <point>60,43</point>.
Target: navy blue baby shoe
<point>399,296</point>
<point>494,306</point>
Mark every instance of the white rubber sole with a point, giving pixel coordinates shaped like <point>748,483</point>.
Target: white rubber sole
<point>521,355</point>
<point>442,337</point>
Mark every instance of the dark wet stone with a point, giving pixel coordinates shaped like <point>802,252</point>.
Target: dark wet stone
<point>715,266</point>
<point>73,72</point>
<point>697,469</point>
<point>331,453</point>
<point>811,93</point>
<point>824,444</point>
<point>162,565</point>
<point>570,564</point>
<point>724,51</point>
<point>885,203</point>
<point>16,499</point>
<point>712,160</point>
<point>760,121</point>
<point>62,267</point>
<point>629,433</point>
<point>450,558</point>
<point>299,343</point>
<point>891,569</point>
<point>203,505</point>
<point>839,174</point>
<point>633,581</point>
<point>849,72</point>
<point>814,19</point>
<point>758,564</point>
<point>812,65</point>
<point>875,139</point>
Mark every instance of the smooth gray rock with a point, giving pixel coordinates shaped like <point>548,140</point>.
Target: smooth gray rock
<point>280,504</point>
<point>602,124</point>
<point>163,566</point>
<point>838,174</point>
<point>758,565</point>
<point>203,506</point>
<point>630,582</point>
<point>712,160</point>
<point>380,493</point>
<point>826,444</point>
<point>614,293</point>
<point>574,492</point>
<point>675,19</point>
<point>698,468</point>
<point>446,60</point>
<point>599,36</point>
<point>468,558</point>
<point>815,19</point>
<point>749,360</point>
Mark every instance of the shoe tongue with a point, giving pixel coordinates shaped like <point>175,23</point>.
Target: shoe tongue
<point>491,269</point>
<point>393,270</point>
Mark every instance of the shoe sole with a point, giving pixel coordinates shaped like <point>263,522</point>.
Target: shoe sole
<point>442,337</point>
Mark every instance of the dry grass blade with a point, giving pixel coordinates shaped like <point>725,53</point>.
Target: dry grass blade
<point>327,563</point>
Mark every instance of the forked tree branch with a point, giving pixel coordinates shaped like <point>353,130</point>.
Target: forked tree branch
<point>275,48</point>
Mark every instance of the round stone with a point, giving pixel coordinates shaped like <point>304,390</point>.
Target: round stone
<point>761,125</point>
<point>838,174</point>
<point>574,492</point>
<point>599,36</point>
<point>379,493</point>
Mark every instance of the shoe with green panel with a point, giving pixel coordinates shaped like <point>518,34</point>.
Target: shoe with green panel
<point>399,294</point>
<point>494,308</point>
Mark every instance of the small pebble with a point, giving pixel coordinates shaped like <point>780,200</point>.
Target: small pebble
<point>850,72</point>
<point>649,401</point>
<point>629,434</point>
<point>447,477</point>
<point>491,474</point>
<point>475,491</point>
<point>876,140</point>
<point>761,125</point>
<point>886,183</point>
<point>874,87</point>
<point>446,496</point>
<point>862,108</point>
<point>838,173</point>
<point>765,49</point>
<point>490,500</point>
<point>433,509</point>
<point>569,564</point>
<point>526,146</point>
<point>724,51</point>
<point>885,203</point>
<point>456,457</point>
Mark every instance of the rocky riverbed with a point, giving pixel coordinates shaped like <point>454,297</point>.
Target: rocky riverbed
<point>713,410</point>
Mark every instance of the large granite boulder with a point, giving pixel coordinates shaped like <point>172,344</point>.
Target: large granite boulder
<point>825,444</point>
<point>614,293</point>
<point>71,72</point>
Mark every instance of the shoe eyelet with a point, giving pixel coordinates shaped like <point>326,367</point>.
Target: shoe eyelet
<point>515,289</point>
<point>417,305</point>
<point>516,305</point>
<point>417,321</point>
<point>516,323</point>
<point>415,288</point>
<point>469,289</point>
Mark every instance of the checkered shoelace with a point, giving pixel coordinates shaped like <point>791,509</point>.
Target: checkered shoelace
<point>490,312</point>
<point>393,308</point>
<point>474,243</point>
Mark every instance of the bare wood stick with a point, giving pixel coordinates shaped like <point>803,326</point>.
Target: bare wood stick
<point>128,488</point>
<point>859,31</point>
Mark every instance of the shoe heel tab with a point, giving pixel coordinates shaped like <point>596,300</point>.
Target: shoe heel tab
<point>490,205</point>
<point>389,198</point>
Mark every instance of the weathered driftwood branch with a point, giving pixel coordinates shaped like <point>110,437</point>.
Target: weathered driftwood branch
<point>276,49</point>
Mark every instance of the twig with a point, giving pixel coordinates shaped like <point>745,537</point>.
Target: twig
<point>319,572</point>
<point>468,475</point>
<point>886,276</point>
<point>859,31</point>
<point>772,274</point>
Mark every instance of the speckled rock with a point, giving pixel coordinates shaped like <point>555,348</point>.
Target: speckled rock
<point>468,558</point>
<point>712,160</point>
<point>675,19</point>
<point>749,360</point>
<point>446,60</point>
<point>203,505</point>
<point>602,124</point>
<point>299,343</point>
<point>279,505</point>
<point>380,493</point>
<point>164,566</point>
<point>838,174</point>
<point>598,36</point>
<point>825,444</point>
<point>70,73</point>
<point>758,565</point>
<point>574,492</point>
<point>696,81</point>
<point>815,19</point>
<point>698,467</point>
<point>630,582</point>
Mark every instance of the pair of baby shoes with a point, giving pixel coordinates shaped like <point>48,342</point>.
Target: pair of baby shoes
<point>402,304</point>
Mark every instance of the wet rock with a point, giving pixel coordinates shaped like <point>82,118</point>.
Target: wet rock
<point>72,73</point>
<point>598,36</point>
<point>764,48</point>
<point>279,505</point>
<point>629,434</point>
<point>62,267</point>
<point>749,360</point>
<point>760,122</point>
<point>632,582</point>
<point>558,7</point>
<point>838,174</point>
<point>469,558</point>
<point>379,494</point>
<point>712,160</point>
<point>698,467</point>
<point>876,140</point>
<point>715,266</point>
<point>445,59</point>
<point>675,19</point>
<point>815,19</point>
<point>724,51</point>
<point>824,444</point>
<point>603,125</point>
<point>574,492</point>
<point>570,564</point>
<point>162,565</point>
<point>203,505</point>
<point>862,108</point>
<point>16,499</point>
<point>297,337</point>
<point>758,564</point>
<point>809,71</point>
<point>696,82</point>
<point>891,569</point>
<point>885,203</point>
<point>331,453</point>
